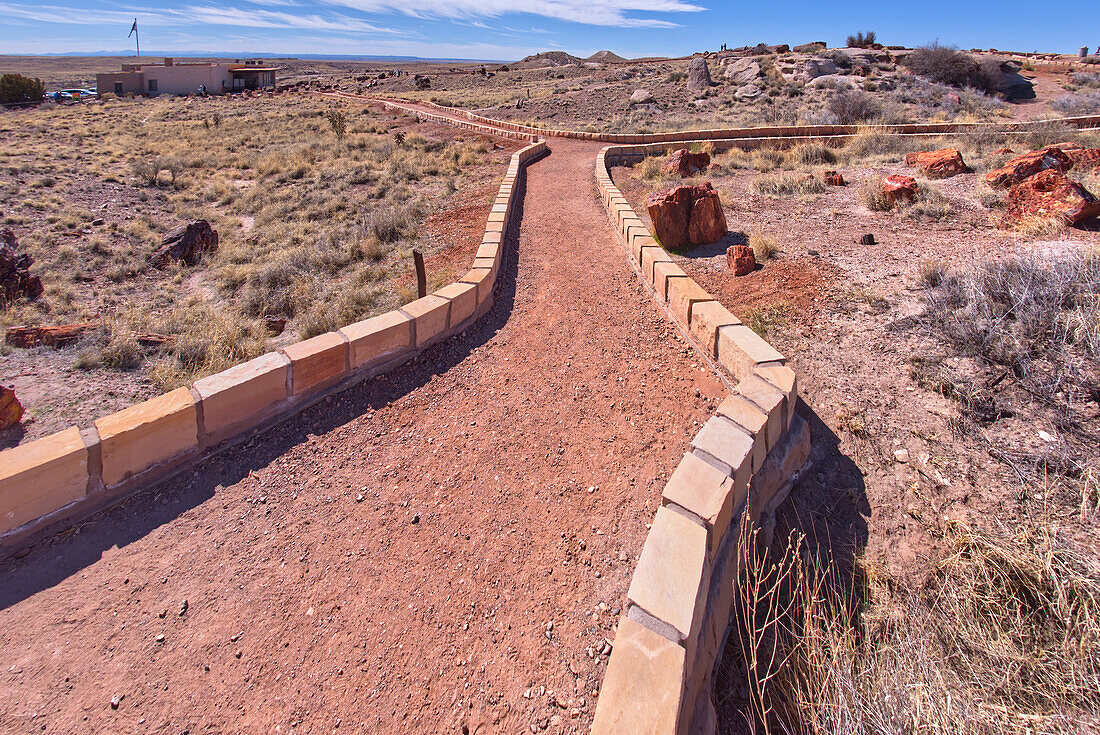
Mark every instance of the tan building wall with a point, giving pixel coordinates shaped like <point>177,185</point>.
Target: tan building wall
<point>186,78</point>
<point>125,82</point>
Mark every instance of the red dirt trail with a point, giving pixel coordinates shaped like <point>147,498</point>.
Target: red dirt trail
<point>422,553</point>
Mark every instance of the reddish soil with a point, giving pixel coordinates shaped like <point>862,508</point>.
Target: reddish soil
<point>506,478</point>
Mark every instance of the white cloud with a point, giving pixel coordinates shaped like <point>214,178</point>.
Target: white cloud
<point>588,12</point>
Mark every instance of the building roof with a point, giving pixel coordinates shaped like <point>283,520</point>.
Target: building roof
<point>235,69</point>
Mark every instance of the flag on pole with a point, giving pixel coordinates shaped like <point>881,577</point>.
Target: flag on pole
<point>133,29</point>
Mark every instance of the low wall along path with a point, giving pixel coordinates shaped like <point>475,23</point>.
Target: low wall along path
<point>569,315</point>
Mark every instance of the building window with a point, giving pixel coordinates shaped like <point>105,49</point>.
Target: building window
<point>118,87</point>
<point>152,85</point>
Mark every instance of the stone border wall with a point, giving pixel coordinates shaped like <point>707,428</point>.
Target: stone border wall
<point>492,128</point>
<point>744,460</point>
<point>782,131</point>
<point>56,480</point>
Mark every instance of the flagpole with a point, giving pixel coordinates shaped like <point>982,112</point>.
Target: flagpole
<point>137,40</point>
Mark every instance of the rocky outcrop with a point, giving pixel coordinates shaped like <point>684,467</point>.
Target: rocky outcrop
<point>817,67</point>
<point>684,163</point>
<point>740,259</point>
<point>1010,85</point>
<point>186,245</point>
<point>941,164</point>
<point>1026,165</point>
<point>1049,194</point>
<point>742,71</point>
<point>687,215</point>
<point>698,79</point>
<point>897,188</point>
<point>641,96</point>
<point>811,47</point>
<point>748,92</point>
<point>833,81</point>
<point>16,280</point>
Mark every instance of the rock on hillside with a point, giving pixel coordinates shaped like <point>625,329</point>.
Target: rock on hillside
<point>742,71</point>
<point>698,75</point>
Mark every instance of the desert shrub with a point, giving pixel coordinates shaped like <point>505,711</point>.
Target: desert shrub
<point>1074,105</point>
<point>388,224</point>
<point>812,154</point>
<point>338,121</point>
<point>763,246</point>
<point>149,169</point>
<point>1004,629</point>
<point>788,184</point>
<point>766,159</point>
<point>838,57</point>
<point>991,198</point>
<point>871,194</point>
<point>122,352</point>
<point>1048,132</point>
<point>869,142</point>
<point>948,65</point>
<point>651,167</point>
<point>1086,80</point>
<point>16,88</point>
<point>862,39</point>
<point>1036,316</point>
<point>852,106</point>
<point>930,204</point>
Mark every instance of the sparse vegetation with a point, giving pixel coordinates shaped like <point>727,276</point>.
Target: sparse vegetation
<point>862,39</point>
<point>948,65</point>
<point>852,106</point>
<point>788,184</point>
<point>17,89</point>
<point>1004,629</point>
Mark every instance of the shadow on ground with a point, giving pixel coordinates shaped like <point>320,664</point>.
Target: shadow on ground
<point>828,505</point>
<point>50,561</point>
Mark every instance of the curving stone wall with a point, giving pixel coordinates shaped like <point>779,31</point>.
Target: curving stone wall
<point>743,461</point>
<point>781,131</point>
<point>58,479</point>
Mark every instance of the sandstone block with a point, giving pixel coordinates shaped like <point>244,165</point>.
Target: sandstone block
<point>41,476</point>
<point>726,446</point>
<point>651,256</point>
<point>237,399</point>
<point>707,317</point>
<point>662,272</point>
<point>463,298</point>
<point>783,378</point>
<point>482,280</point>
<point>378,339</point>
<point>671,579</point>
<point>768,399</point>
<point>147,434</point>
<point>430,317</point>
<point>783,461</point>
<point>740,350</point>
<point>683,294</point>
<point>752,420</point>
<point>707,492</point>
<point>641,693</point>
<point>317,363</point>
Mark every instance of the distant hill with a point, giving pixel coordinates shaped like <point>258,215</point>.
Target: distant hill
<point>549,59</point>
<point>609,57</point>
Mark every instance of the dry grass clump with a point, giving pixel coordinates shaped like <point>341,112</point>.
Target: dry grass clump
<point>1002,636</point>
<point>763,246</point>
<point>788,184</point>
<point>652,168</point>
<point>873,197</point>
<point>1033,318</point>
<point>871,145</point>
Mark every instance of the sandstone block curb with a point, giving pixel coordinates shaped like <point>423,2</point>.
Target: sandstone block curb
<point>145,435</point>
<point>317,363</point>
<point>242,396</point>
<point>39,477</point>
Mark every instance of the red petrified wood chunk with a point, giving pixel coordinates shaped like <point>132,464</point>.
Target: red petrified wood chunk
<point>897,187</point>
<point>684,163</point>
<point>10,408</point>
<point>687,215</point>
<point>941,164</point>
<point>832,178</point>
<point>740,259</point>
<point>708,222</point>
<point>670,211</point>
<point>48,336</point>
<point>1084,159</point>
<point>1050,195</point>
<point>1028,164</point>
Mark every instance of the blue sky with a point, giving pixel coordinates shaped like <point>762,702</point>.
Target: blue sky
<point>510,29</point>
